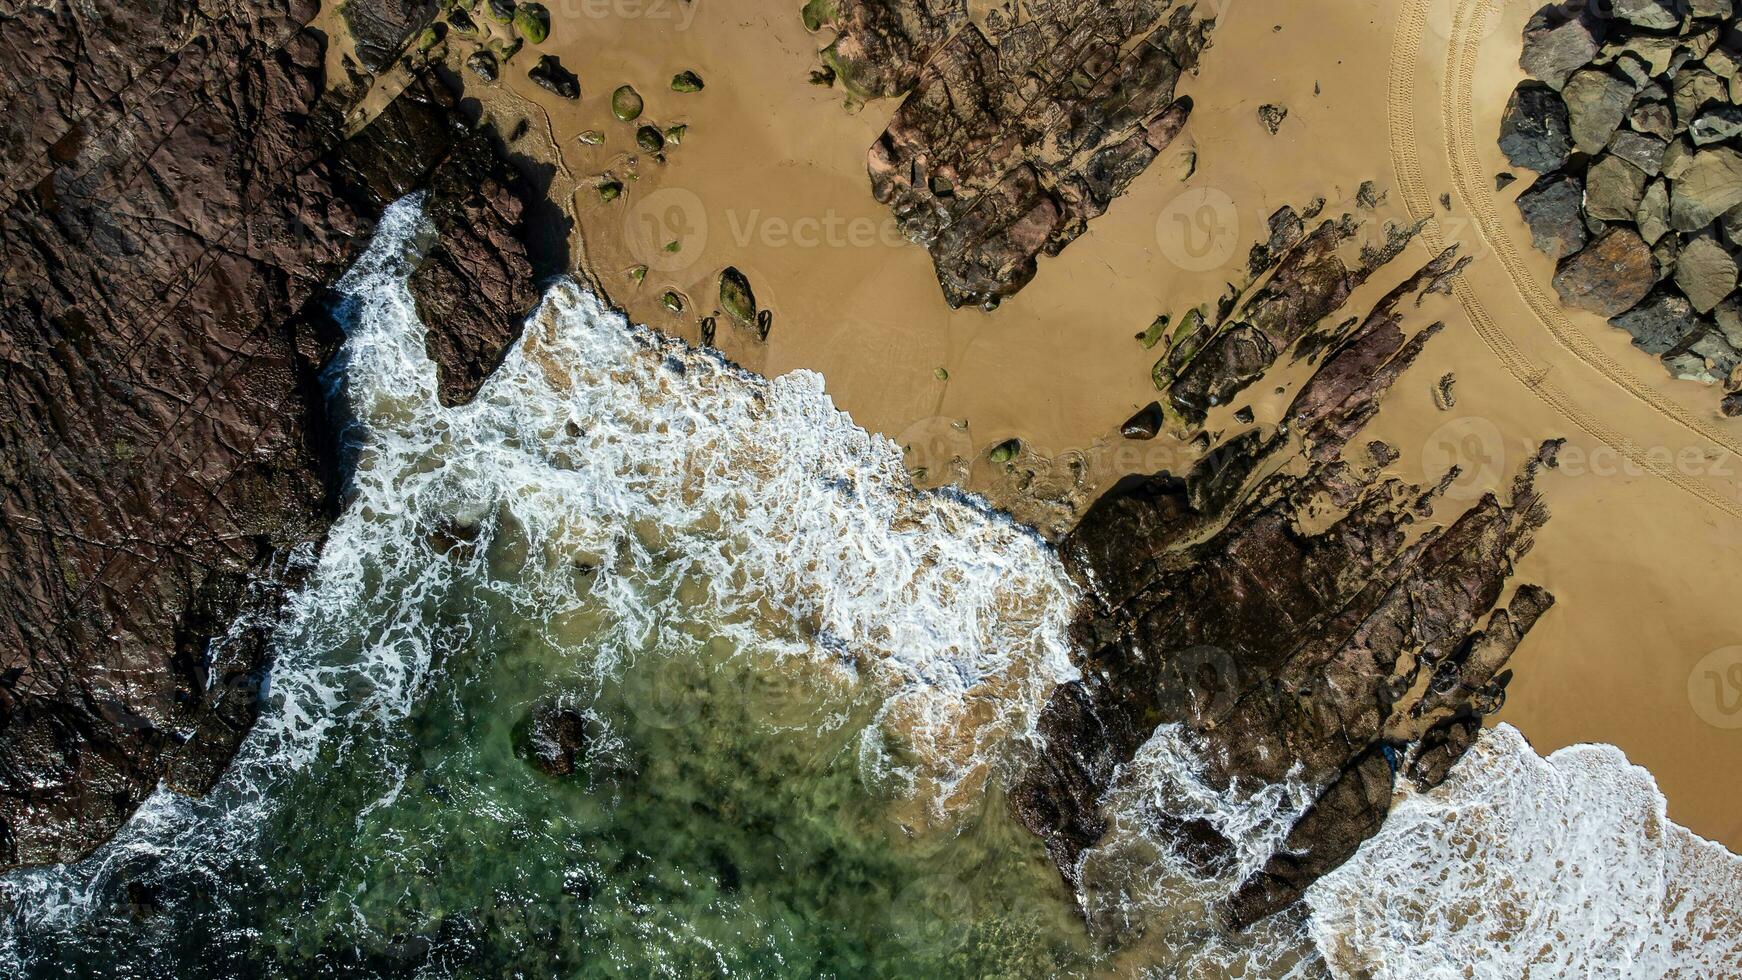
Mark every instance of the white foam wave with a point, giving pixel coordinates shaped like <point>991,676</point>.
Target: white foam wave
<point>1520,866</point>
<point>604,467</point>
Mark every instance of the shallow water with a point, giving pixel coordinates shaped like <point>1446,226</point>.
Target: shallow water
<point>804,684</point>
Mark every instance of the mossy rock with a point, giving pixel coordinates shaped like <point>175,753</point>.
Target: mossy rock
<point>942,374</point>
<point>591,137</point>
<point>431,38</point>
<point>673,300</point>
<point>610,190</point>
<point>500,11</point>
<point>675,134</point>
<point>1005,451</point>
<point>686,81</point>
<point>1152,336</point>
<point>1188,338</point>
<point>816,13</point>
<point>637,274</point>
<point>462,23</point>
<point>736,297</point>
<point>532,20</point>
<point>626,103</point>
<point>650,139</point>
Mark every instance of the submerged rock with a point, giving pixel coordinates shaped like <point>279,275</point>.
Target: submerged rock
<point>554,738</point>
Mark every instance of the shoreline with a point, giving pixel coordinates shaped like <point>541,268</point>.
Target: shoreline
<point>1025,371</point>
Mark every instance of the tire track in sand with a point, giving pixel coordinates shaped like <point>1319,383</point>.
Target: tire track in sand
<point>1456,105</point>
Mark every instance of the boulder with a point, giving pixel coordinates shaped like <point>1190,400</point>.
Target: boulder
<point>1557,43</point>
<point>1706,272</point>
<point>550,75</point>
<point>1716,123</point>
<point>1610,276</point>
<point>1695,90</point>
<point>1657,15</point>
<point>1551,208</point>
<point>1644,152</point>
<point>1145,424</point>
<point>1710,186</point>
<point>1653,119</point>
<point>1661,323</point>
<point>1613,189</point>
<point>1535,131</point>
<point>1597,101</point>
<point>554,738</point>
<point>1653,215</point>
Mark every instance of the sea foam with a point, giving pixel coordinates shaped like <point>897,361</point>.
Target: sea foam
<point>606,466</point>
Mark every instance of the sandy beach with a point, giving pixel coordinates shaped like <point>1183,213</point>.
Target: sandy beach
<point>770,177</point>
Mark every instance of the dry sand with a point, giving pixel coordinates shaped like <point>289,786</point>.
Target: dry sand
<point>770,177</point>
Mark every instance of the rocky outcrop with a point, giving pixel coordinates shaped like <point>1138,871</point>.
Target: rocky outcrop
<point>1300,614</point>
<point>1207,364</point>
<point>1649,94</point>
<point>1017,130</point>
<point>178,187</point>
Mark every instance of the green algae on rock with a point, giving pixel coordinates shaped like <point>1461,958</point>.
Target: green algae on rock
<point>626,103</point>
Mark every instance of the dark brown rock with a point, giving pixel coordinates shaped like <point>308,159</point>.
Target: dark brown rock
<point>163,438</point>
<point>1552,209</point>
<point>1335,649</point>
<point>1014,136</point>
<point>1610,276</point>
<point>1535,131</point>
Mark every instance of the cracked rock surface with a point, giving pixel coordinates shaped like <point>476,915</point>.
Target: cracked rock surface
<point>1018,127</point>
<point>178,186</point>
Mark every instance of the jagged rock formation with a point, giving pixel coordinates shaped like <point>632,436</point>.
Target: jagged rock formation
<point>1636,129</point>
<point>1294,610</point>
<point>178,187</point>
<point>1207,363</point>
<point>1018,129</point>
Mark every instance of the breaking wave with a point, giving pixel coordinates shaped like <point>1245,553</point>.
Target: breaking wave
<point>1521,866</point>
<point>639,500</point>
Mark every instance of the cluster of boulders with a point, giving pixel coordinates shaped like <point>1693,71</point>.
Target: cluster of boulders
<point>1633,119</point>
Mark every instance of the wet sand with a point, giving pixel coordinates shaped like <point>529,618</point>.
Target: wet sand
<point>770,177</point>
